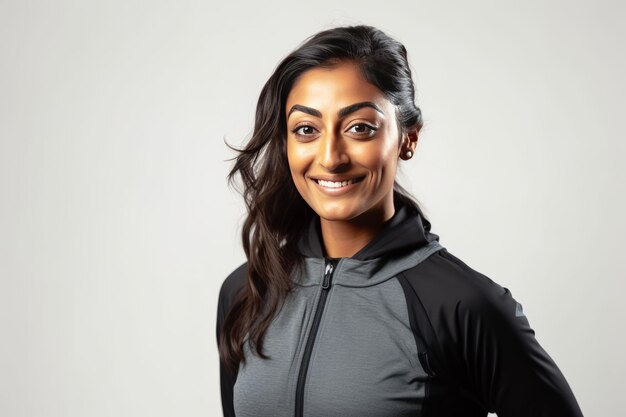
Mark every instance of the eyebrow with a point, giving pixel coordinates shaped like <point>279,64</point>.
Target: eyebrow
<point>341,113</point>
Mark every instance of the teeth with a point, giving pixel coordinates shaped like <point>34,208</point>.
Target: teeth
<point>336,184</point>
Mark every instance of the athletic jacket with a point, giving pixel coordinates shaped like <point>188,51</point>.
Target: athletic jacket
<point>402,328</point>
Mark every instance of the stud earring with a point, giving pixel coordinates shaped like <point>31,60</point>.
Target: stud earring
<point>408,154</point>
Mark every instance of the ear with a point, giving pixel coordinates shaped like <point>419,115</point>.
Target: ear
<point>409,143</point>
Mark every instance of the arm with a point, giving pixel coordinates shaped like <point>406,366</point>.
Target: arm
<point>503,363</point>
<point>227,294</point>
<point>481,342</point>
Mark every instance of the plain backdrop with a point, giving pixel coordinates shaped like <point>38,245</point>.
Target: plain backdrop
<point>117,226</point>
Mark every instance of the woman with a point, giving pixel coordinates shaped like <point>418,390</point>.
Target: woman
<point>348,305</point>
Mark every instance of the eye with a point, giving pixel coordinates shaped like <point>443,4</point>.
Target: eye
<point>362,129</point>
<point>304,130</point>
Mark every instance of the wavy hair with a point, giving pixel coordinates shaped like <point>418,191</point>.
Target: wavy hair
<point>276,213</point>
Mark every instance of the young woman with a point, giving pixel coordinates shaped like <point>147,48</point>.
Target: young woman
<point>348,305</point>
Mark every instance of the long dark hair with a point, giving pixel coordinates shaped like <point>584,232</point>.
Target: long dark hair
<point>277,214</point>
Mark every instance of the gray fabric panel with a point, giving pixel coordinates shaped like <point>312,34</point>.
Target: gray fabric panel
<point>266,388</point>
<point>364,362</point>
<point>355,273</point>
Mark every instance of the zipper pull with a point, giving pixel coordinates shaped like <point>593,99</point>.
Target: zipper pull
<point>328,273</point>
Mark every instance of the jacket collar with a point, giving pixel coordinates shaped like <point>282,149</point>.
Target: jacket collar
<point>407,230</point>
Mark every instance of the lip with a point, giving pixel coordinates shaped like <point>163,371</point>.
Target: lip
<point>334,191</point>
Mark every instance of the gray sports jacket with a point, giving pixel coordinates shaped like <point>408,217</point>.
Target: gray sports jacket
<point>403,328</point>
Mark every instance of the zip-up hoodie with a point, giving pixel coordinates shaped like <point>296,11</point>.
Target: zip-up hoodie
<point>402,328</point>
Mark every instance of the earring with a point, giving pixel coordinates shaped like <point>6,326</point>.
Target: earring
<point>408,154</point>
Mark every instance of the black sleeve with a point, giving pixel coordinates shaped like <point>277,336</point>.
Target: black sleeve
<point>230,287</point>
<point>482,339</point>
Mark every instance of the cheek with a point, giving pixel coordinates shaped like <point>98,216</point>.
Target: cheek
<point>381,158</point>
<point>299,159</point>
<point>292,157</point>
<point>389,154</point>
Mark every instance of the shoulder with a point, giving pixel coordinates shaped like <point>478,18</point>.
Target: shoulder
<point>445,282</point>
<point>477,337</point>
<point>459,311</point>
<point>234,281</point>
<point>231,286</point>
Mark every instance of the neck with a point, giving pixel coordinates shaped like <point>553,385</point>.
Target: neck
<point>343,239</point>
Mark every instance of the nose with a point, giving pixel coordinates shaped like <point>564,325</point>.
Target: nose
<point>332,152</point>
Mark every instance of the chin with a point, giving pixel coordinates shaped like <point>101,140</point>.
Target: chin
<point>337,213</point>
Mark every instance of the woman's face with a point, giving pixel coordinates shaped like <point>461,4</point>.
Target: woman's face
<point>342,144</point>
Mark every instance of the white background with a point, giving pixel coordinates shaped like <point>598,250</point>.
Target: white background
<point>117,227</point>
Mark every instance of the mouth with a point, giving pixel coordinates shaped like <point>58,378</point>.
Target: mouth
<point>341,184</point>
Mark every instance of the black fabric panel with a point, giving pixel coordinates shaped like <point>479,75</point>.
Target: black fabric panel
<point>481,345</point>
<point>230,287</point>
<point>443,397</point>
<point>419,323</point>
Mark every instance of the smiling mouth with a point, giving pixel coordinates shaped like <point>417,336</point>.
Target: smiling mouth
<point>338,184</point>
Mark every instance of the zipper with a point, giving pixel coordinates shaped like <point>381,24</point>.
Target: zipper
<point>304,366</point>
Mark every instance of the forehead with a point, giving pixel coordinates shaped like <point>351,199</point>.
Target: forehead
<point>328,89</point>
